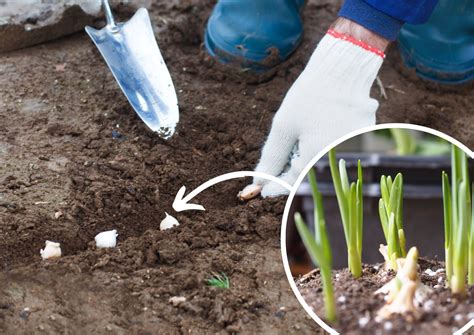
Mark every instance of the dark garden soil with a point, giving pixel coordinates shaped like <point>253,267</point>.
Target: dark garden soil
<point>70,143</point>
<point>441,312</point>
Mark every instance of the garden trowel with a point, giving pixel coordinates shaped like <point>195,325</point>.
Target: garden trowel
<point>132,54</point>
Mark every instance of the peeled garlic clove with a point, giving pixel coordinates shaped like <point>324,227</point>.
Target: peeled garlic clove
<point>51,250</point>
<point>168,222</point>
<point>106,239</point>
<point>250,192</point>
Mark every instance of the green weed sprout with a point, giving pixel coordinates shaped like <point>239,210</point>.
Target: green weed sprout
<point>405,142</point>
<point>219,280</point>
<point>458,223</point>
<point>391,218</point>
<point>318,246</point>
<point>350,200</point>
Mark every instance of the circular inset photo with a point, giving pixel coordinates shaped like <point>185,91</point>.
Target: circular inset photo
<point>378,234</point>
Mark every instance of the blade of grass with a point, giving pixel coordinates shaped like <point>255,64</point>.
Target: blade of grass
<point>384,190</point>
<point>393,247</point>
<point>360,208</point>
<point>471,243</point>
<point>320,222</point>
<point>319,247</point>
<point>383,218</point>
<point>447,206</point>
<point>461,242</point>
<point>318,257</point>
<point>353,254</point>
<point>341,199</point>
<point>315,251</point>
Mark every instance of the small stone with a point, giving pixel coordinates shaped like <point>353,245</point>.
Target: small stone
<point>363,321</point>
<point>440,280</point>
<point>430,272</point>
<point>428,305</point>
<point>470,315</point>
<point>58,214</point>
<point>25,313</point>
<point>387,325</point>
<point>458,317</point>
<point>341,299</point>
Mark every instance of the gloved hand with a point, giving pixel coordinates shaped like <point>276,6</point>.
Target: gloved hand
<point>91,7</point>
<point>328,100</point>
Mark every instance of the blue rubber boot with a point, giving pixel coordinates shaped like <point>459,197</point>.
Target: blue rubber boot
<point>256,34</point>
<point>442,49</point>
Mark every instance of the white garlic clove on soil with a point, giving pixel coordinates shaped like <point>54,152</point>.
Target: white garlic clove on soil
<point>106,239</point>
<point>51,250</point>
<point>249,192</point>
<point>168,222</point>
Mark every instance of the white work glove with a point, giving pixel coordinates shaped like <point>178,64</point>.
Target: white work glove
<point>329,99</point>
<point>91,7</point>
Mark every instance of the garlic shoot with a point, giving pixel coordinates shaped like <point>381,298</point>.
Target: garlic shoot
<point>51,250</point>
<point>106,239</point>
<point>168,222</point>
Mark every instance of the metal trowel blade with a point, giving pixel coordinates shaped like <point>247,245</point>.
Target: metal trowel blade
<point>132,54</point>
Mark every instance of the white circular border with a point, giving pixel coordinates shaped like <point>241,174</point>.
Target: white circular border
<point>289,201</point>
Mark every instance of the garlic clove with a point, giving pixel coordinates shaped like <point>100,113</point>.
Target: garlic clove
<point>106,239</point>
<point>168,222</point>
<point>403,303</point>
<point>51,250</point>
<point>250,192</point>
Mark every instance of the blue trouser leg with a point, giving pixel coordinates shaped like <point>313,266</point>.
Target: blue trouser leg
<point>442,49</point>
<point>254,33</point>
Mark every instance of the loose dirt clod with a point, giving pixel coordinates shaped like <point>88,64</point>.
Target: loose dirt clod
<point>175,301</point>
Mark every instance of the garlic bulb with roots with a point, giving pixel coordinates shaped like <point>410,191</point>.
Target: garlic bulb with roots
<point>106,239</point>
<point>405,289</point>
<point>51,250</point>
<point>168,222</point>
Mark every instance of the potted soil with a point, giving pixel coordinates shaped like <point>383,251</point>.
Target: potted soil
<point>411,292</point>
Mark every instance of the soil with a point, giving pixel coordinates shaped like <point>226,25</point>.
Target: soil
<point>70,144</point>
<point>441,312</point>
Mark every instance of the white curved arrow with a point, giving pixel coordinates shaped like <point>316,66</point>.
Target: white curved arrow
<point>180,202</point>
